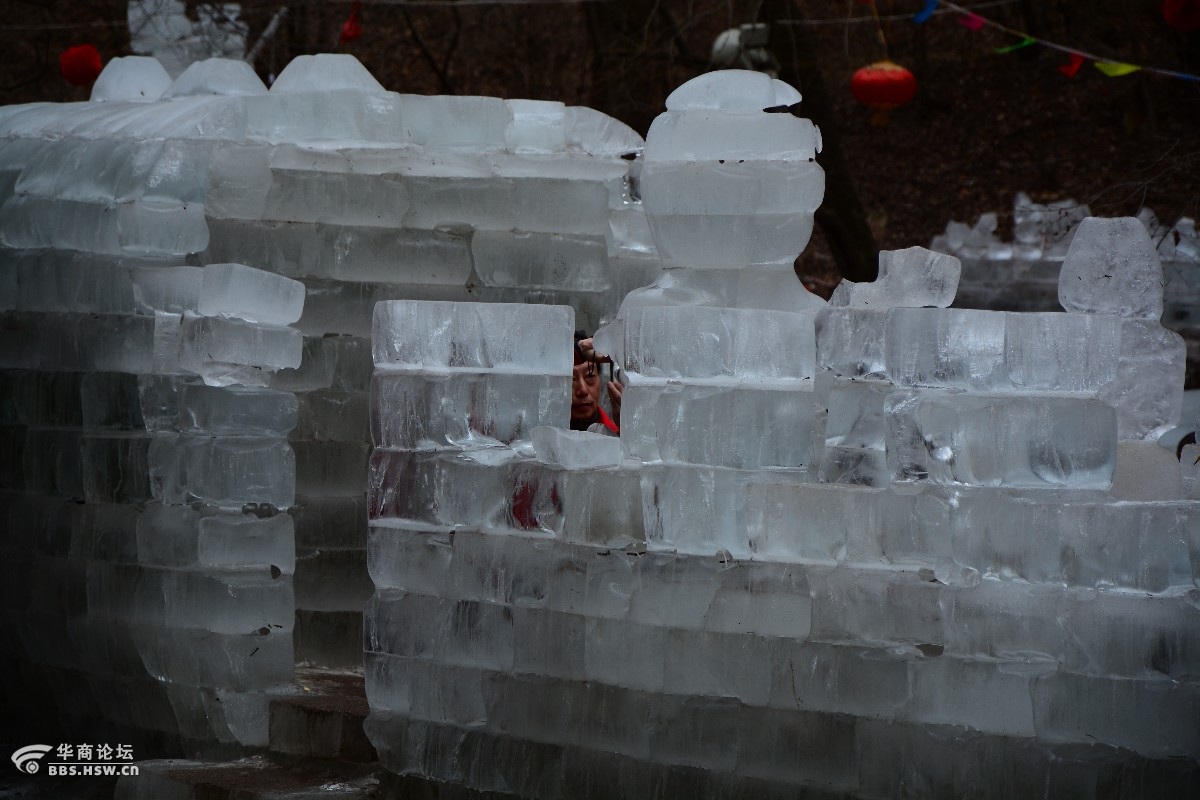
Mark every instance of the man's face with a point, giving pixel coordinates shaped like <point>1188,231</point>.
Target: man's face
<point>585,391</point>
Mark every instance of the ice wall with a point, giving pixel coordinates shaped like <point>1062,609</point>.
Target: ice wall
<point>187,272</point>
<point>862,548</point>
<point>1022,274</point>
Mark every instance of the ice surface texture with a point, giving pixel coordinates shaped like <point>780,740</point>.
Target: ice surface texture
<point>917,576</point>
<point>725,183</point>
<point>1112,268</point>
<point>473,336</point>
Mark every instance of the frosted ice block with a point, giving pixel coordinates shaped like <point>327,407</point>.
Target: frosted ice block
<point>325,72</point>
<point>538,126</point>
<point>1001,351</point>
<point>77,342</point>
<point>180,537</point>
<point>696,509</point>
<point>439,488</point>
<point>332,415</point>
<point>739,427</point>
<point>994,440</point>
<point>547,260</point>
<point>343,252</point>
<point>575,449</point>
<point>236,410</point>
<point>236,290</point>
<point>730,240</point>
<point>671,342</point>
<point>913,277</point>
<point>228,471</point>
<point>170,289</point>
<point>1148,390</point>
<point>1111,267</point>
<point>455,122</point>
<point>65,281</point>
<point>221,76</point>
<point>851,342</point>
<point>501,336</point>
<point>421,410</point>
<point>131,79</point>
<point>210,343</point>
<point>733,187</point>
<point>599,134</point>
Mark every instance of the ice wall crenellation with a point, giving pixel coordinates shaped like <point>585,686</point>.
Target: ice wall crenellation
<point>187,271</point>
<point>846,543</point>
<point>269,356</point>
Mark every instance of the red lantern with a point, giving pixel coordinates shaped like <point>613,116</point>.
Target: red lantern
<point>351,29</point>
<point>883,86</point>
<point>1182,15</point>
<point>81,64</point>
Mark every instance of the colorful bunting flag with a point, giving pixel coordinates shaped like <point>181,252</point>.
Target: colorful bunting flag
<point>972,21</point>
<point>1071,68</point>
<point>1115,69</point>
<point>1178,13</point>
<point>1028,40</point>
<point>925,13</point>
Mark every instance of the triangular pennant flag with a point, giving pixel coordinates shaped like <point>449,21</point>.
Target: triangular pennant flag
<point>925,13</point>
<point>1028,40</point>
<point>1115,69</point>
<point>972,21</point>
<point>1072,67</point>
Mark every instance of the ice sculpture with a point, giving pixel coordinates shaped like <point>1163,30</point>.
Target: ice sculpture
<point>849,544</point>
<point>839,548</point>
<point>187,272</point>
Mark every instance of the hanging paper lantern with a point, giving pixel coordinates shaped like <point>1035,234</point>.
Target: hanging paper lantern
<point>81,64</point>
<point>351,29</point>
<point>883,86</point>
<point>1182,15</point>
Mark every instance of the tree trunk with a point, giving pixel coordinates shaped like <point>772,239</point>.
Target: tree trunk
<point>841,215</point>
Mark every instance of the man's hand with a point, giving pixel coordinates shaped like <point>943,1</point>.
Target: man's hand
<point>590,354</point>
<point>614,398</point>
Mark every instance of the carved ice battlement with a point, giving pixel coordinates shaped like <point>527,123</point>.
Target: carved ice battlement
<point>269,356</point>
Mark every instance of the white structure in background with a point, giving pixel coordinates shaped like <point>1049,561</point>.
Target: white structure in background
<point>160,28</point>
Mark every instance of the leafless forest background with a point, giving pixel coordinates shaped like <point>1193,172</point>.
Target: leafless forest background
<point>983,126</point>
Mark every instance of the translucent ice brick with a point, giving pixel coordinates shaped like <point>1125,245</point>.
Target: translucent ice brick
<point>325,72</point>
<point>740,427</point>
<point>210,344</point>
<point>170,289</point>
<point>911,278</point>
<point>236,290</point>
<point>1111,267</point>
<point>1013,441</point>
<point>416,410</point>
<point>1148,389</point>
<point>665,342</point>
<point>134,79</point>
<point>502,336</point>
<point>221,76</point>
<point>576,449</point>
<point>236,410</point>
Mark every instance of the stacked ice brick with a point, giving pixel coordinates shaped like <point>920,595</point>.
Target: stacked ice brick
<point>455,384</point>
<point>146,569</point>
<point>944,593</point>
<point>367,195</point>
<point>1022,275</point>
<point>718,353</point>
<point>360,193</point>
